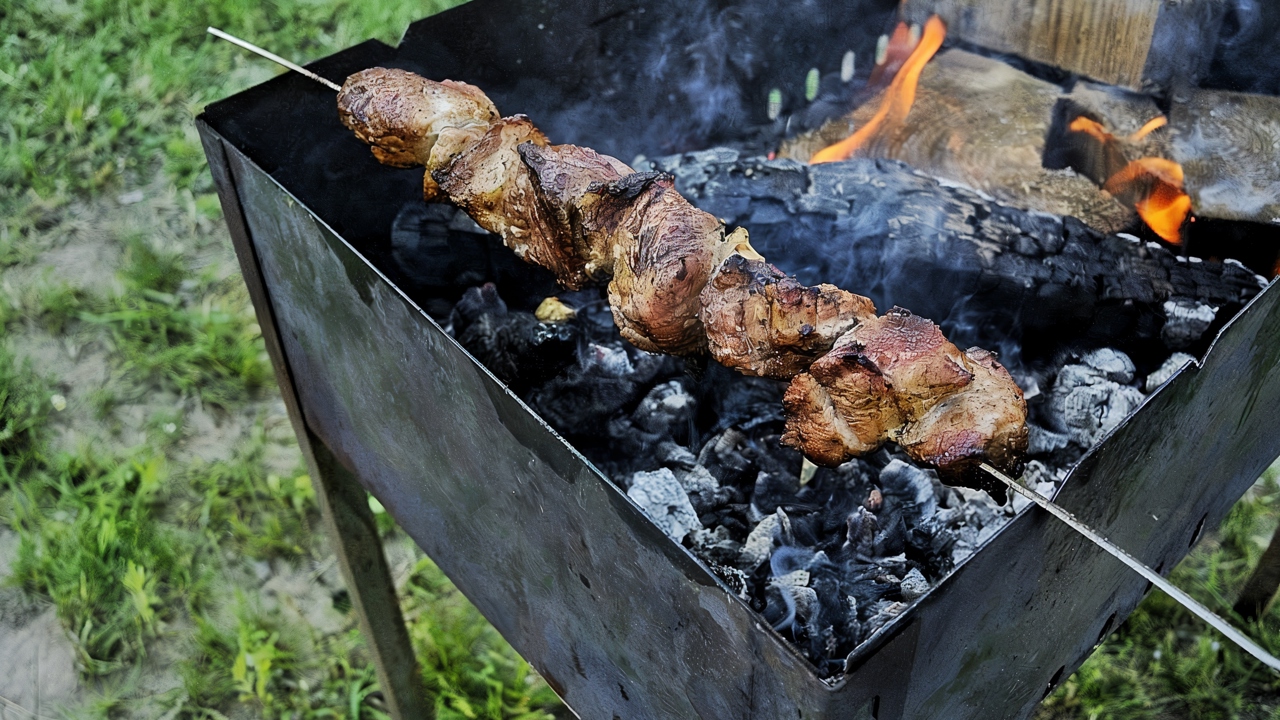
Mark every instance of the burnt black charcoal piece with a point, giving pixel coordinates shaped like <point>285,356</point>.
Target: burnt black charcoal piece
<point>515,346</point>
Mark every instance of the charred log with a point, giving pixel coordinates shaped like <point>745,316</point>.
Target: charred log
<point>989,272</point>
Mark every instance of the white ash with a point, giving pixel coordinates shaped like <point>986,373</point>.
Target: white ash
<point>1176,362</point>
<point>667,405</point>
<point>659,494</point>
<point>1115,365</point>
<point>1089,401</point>
<point>1042,441</point>
<point>914,585</point>
<point>759,544</point>
<point>1186,321</point>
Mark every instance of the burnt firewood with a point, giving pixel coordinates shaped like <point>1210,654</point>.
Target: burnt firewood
<point>988,272</point>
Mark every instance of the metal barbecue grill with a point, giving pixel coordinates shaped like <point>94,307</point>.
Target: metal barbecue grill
<point>622,622</point>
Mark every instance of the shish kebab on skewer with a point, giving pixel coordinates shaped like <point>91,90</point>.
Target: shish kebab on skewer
<point>680,284</point>
<point>1067,518</point>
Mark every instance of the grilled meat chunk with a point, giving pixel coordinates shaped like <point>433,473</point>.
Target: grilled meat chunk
<point>664,250</point>
<point>563,176</point>
<point>898,378</point>
<point>761,322</point>
<point>400,114</point>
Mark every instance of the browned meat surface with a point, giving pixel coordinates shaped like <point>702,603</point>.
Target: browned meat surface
<point>761,322</point>
<point>400,114</point>
<point>984,422</point>
<point>664,249</point>
<point>563,175</point>
<point>897,378</point>
<point>492,183</point>
<point>679,285</point>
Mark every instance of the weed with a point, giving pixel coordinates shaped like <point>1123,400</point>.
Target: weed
<point>468,666</point>
<point>262,515</point>
<point>205,342</point>
<point>90,541</point>
<point>24,409</point>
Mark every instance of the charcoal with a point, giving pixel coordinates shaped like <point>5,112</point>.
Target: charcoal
<point>908,490</point>
<point>475,302</point>
<point>759,544</point>
<point>515,346</point>
<point>1186,321</point>
<point>427,248</point>
<point>604,381</point>
<point>1166,370</point>
<point>666,409</point>
<point>1087,404</point>
<point>1041,441</point>
<point>734,578</point>
<point>716,546</point>
<point>772,490</point>
<point>914,585</point>
<point>659,494</point>
<point>1113,364</point>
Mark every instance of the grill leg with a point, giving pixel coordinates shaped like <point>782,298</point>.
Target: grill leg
<point>343,502</point>
<point>1262,585</point>
<point>354,534</point>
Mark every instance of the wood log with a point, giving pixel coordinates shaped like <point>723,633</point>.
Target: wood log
<point>1135,43</point>
<point>982,123</point>
<point>986,272</point>
<point>1229,146</point>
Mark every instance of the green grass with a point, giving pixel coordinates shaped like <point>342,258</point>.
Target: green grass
<point>1164,663</point>
<point>97,91</point>
<point>192,335</point>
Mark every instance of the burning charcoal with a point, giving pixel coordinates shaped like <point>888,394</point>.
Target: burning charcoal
<point>908,490</point>
<point>875,499</point>
<point>1115,365</point>
<point>716,546</point>
<point>1186,321</point>
<point>666,410</point>
<point>1041,441</point>
<point>1086,405</point>
<point>1162,374</point>
<point>659,494</point>
<point>759,544</point>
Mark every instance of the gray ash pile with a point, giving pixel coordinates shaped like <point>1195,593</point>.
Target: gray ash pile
<point>829,556</point>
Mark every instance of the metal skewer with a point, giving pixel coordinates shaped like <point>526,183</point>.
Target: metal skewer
<point>1114,550</point>
<point>273,57</point>
<point>1137,566</point>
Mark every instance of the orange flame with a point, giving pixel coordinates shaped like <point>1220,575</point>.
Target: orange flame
<point>1154,187</point>
<point>898,98</point>
<point>896,53</point>
<point>1152,125</point>
<point>1091,127</point>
